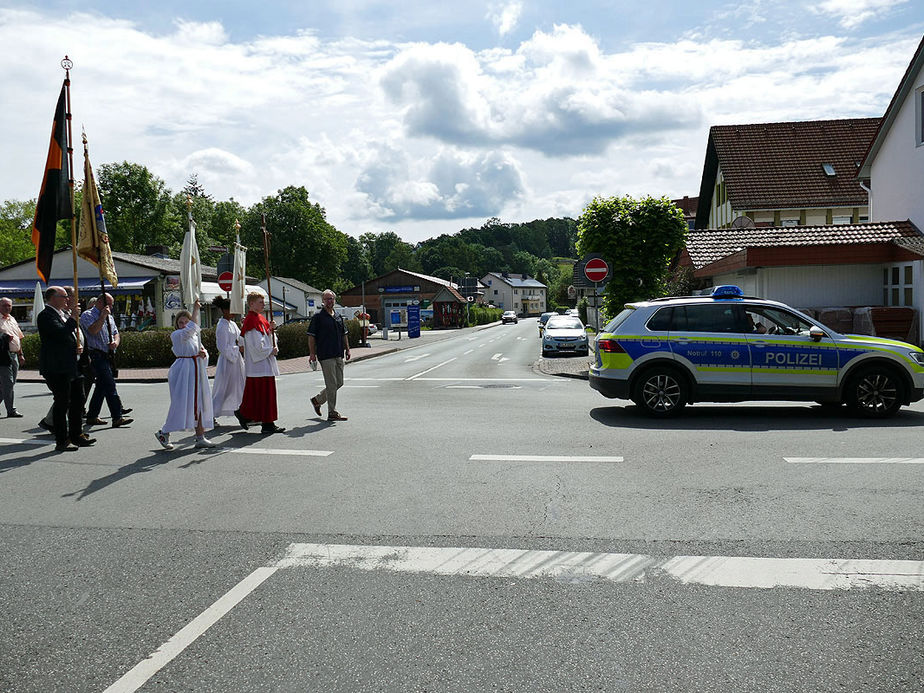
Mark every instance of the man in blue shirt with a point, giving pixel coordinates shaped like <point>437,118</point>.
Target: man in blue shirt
<point>327,343</point>
<point>102,341</point>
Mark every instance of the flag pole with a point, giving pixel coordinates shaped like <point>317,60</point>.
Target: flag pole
<point>269,278</point>
<point>67,64</point>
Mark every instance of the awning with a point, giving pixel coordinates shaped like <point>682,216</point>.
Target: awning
<point>26,287</point>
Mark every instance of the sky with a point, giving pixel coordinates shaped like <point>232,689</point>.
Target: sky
<point>422,117</point>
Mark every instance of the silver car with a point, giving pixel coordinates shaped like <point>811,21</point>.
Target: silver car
<point>564,334</point>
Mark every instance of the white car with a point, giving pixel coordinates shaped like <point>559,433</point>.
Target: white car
<point>509,316</point>
<point>564,334</point>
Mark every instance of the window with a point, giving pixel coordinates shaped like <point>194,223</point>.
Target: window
<point>841,219</point>
<point>898,285</point>
<point>661,321</point>
<point>789,222</point>
<point>919,117</point>
<point>710,317</point>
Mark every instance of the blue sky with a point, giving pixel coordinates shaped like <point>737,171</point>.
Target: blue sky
<point>422,118</point>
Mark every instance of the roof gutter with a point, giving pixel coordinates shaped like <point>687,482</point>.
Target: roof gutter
<point>869,198</point>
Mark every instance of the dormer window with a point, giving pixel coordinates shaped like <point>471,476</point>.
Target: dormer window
<point>829,170</point>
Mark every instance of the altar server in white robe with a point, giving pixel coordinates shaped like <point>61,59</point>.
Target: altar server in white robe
<point>228,385</point>
<point>190,398</point>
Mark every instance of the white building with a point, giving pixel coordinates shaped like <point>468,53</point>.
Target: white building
<point>303,299</point>
<point>517,292</point>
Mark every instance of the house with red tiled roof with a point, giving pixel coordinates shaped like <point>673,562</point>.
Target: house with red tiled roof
<point>893,170</point>
<point>785,174</point>
<point>797,257</point>
<point>809,266</point>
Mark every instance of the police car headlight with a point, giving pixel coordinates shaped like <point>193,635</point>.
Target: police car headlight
<point>918,357</point>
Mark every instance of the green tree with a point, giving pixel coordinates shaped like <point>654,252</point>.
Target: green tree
<point>138,208</point>
<point>303,245</point>
<point>638,238</point>
<point>356,268</point>
<point>16,231</point>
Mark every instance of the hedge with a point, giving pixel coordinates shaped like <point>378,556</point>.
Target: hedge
<point>153,348</point>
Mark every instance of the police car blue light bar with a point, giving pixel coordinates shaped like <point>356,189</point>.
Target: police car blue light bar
<point>727,291</point>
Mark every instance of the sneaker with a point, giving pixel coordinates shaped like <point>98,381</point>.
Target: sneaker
<point>14,415</point>
<point>204,442</point>
<point>164,439</point>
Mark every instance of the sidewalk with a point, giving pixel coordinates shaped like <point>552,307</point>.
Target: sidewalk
<point>377,347</point>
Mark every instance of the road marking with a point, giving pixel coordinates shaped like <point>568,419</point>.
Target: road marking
<point>17,441</point>
<point>466,353</point>
<point>270,451</point>
<point>544,458</point>
<point>854,460</point>
<point>476,387</point>
<point>714,571</point>
<point>414,358</point>
<point>362,386</point>
<point>505,380</point>
<point>497,356</point>
<point>564,566</point>
<point>144,670</point>
<point>414,377</point>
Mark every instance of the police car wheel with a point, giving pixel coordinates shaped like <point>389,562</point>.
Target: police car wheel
<point>660,392</point>
<point>875,392</point>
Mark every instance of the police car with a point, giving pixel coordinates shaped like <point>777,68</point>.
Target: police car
<point>666,353</point>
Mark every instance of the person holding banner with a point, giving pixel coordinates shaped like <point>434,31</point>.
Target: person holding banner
<point>190,398</point>
<point>259,399</point>
<point>228,386</point>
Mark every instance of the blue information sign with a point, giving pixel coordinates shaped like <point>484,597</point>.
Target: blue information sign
<point>395,317</point>
<point>413,321</point>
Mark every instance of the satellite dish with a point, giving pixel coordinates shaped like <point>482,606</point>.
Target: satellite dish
<point>742,222</point>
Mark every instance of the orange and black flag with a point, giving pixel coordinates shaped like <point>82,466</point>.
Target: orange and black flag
<point>54,200</point>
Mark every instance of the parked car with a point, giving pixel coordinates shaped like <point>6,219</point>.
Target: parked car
<point>509,316</point>
<point>543,319</point>
<point>666,353</point>
<point>564,334</point>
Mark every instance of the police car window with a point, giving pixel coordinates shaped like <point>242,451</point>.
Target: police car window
<point>780,321</point>
<point>661,321</point>
<point>618,320</point>
<point>708,317</point>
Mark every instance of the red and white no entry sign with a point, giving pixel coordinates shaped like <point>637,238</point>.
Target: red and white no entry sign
<point>224,281</point>
<point>596,270</point>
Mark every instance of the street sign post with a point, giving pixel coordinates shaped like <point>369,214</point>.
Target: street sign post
<point>224,281</point>
<point>596,270</point>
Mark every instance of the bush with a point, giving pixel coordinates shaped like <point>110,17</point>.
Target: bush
<point>482,315</point>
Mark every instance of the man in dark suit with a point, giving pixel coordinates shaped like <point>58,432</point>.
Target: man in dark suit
<point>58,366</point>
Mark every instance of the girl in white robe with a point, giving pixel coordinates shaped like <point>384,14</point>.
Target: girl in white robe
<point>190,398</point>
<point>228,385</point>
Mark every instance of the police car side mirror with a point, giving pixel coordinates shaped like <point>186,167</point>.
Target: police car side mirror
<point>816,333</point>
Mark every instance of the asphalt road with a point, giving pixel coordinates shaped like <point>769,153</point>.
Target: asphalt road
<point>113,551</point>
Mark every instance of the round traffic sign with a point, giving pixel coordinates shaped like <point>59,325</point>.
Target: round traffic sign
<point>596,269</point>
<point>224,281</point>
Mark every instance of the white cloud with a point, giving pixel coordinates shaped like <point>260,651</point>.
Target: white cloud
<point>505,16</point>
<point>852,13</point>
<point>419,138</point>
<point>450,185</point>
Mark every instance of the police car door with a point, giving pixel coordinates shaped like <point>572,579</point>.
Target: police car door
<point>709,339</point>
<point>785,357</point>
